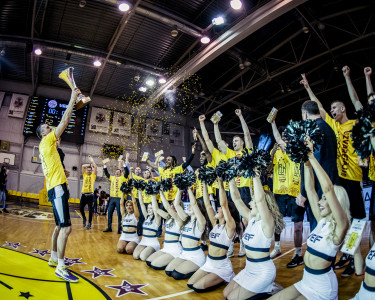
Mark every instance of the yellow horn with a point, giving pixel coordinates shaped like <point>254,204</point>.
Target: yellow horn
<point>67,76</point>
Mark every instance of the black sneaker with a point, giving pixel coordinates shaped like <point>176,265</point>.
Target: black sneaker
<point>5,211</point>
<point>119,231</point>
<point>204,247</point>
<point>342,262</point>
<point>349,269</point>
<point>108,230</point>
<point>296,261</point>
<point>88,226</point>
<point>84,222</point>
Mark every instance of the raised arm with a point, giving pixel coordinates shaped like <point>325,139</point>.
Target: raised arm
<point>84,166</point>
<point>204,145</point>
<point>199,215</point>
<point>141,204</point>
<point>230,224</point>
<point>206,137</point>
<point>180,210</point>
<point>207,204</point>
<point>67,114</point>
<point>311,192</point>
<point>236,197</point>
<point>268,224</point>
<point>106,171</point>
<point>135,206</point>
<point>312,96</point>
<point>245,128</point>
<point>329,193</point>
<point>152,164</point>
<point>368,72</point>
<point>221,144</point>
<point>352,92</point>
<point>122,205</point>
<point>94,166</point>
<point>274,149</point>
<point>155,209</point>
<point>277,136</point>
<point>171,211</point>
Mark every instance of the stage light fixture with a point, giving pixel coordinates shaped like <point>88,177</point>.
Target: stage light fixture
<point>142,89</point>
<point>205,39</point>
<point>218,21</point>
<point>150,82</point>
<point>236,4</point>
<point>38,51</point>
<point>162,80</point>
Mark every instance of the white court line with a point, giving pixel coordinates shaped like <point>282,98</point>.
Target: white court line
<point>287,252</point>
<point>173,295</point>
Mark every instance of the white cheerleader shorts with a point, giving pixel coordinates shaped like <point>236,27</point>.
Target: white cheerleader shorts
<point>173,249</point>
<point>364,294</point>
<point>257,277</point>
<point>129,237</point>
<point>195,255</point>
<point>221,267</point>
<point>150,242</point>
<point>318,286</point>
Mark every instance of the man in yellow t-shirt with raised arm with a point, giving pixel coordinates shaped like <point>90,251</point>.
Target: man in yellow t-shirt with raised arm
<point>115,194</point>
<point>239,146</point>
<point>56,184</point>
<point>170,170</point>
<point>89,172</point>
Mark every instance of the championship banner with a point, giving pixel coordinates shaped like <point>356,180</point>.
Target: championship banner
<point>99,120</point>
<point>18,105</point>
<point>176,134</point>
<point>353,237</point>
<point>154,128</point>
<point>121,123</point>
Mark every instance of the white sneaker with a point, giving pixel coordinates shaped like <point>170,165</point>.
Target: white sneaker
<point>230,250</point>
<point>275,252</point>
<point>242,251</point>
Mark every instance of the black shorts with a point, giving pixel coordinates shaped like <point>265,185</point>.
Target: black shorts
<point>354,191</point>
<point>289,208</point>
<point>59,196</point>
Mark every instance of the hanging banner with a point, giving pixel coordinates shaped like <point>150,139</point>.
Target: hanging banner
<point>176,134</point>
<point>121,123</point>
<point>99,120</point>
<point>18,105</point>
<point>154,128</point>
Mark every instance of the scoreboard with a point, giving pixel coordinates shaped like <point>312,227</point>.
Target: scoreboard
<point>50,111</point>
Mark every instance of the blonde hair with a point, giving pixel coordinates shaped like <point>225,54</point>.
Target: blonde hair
<point>126,211</point>
<point>343,199</point>
<point>274,209</point>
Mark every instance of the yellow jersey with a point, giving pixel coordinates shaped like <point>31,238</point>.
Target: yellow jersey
<point>88,183</point>
<point>116,183</point>
<point>170,173</point>
<point>51,163</point>
<point>347,158</point>
<point>199,188</point>
<point>280,173</point>
<point>240,181</point>
<point>294,178</point>
<point>371,168</point>
<point>217,156</point>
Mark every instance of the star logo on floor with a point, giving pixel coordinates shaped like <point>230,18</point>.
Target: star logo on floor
<point>27,295</point>
<point>14,245</point>
<point>127,288</point>
<point>97,272</point>
<point>42,253</point>
<point>72,261</point>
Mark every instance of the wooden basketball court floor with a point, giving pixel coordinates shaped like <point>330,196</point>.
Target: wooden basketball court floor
<point>104,273</point>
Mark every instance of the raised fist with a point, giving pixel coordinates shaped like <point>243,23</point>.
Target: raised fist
<point>346,70</point>
<point>368,71</point>
<point>238,112</point>
<point>202,118</point>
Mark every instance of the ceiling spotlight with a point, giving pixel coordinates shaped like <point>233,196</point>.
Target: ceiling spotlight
<point>205,40</point>
<point>38,51</point>
<point>150,82</point>
<point>97,63</point>
<point>218,21</point>
<point>236,4</point>
<point>162,80</point>
<point>247,63</point>
<point>123,6</point>
<point>305,29</point>
<point>82,3</point>
<point>142,89</point>
<point>174,31</point>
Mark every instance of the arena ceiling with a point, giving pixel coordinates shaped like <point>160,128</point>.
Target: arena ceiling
<point>253,61</point>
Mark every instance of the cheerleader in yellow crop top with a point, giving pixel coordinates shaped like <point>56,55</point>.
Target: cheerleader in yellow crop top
<point>332,213</point>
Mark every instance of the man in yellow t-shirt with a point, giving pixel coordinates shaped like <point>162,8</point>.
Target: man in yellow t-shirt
<point>115,194</point>
<point>170,170</point>
<point>286,187</point>
<point>89,172</point>
<point>58,193</point>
